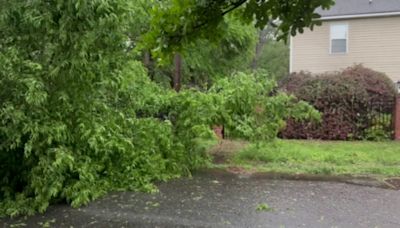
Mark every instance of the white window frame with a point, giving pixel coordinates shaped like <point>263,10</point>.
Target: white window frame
<point>330,38</point>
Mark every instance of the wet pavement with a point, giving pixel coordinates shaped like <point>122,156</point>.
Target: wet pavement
<point>219,199</point>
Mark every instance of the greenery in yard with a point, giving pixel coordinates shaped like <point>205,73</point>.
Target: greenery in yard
<point>203,60</point>
<point>231,48</point>
<point>323,157</point>
<point>263,207</point>
<point>250,112</point>
<point>206,61</point>
<point>80,115</point>
<point>274,58</point>
<point>356,103</point>
<point>176,22</point>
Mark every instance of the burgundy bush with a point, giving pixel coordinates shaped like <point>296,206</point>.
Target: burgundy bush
<point>346,100</point>
<point>294,81</point>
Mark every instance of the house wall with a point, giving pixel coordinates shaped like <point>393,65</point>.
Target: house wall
<point>374,42</point>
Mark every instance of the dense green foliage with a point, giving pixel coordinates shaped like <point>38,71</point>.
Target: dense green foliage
<point>206,61</point>
<point>274,58</point>
<point>352,101</point>
<point>252,110</point>
<point>227,49</point>
<point>381,127</point>
<point>177,22</point>
<point>79,116</point>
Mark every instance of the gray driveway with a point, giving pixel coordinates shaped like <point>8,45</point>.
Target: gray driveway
<point>218,199</point>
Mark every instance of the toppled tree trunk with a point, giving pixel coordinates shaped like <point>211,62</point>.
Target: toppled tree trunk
<point>146,59</point>
<point>148,64</point>
<point>177,72</point>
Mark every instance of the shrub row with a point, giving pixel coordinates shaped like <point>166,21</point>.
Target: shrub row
<point>348,100</point>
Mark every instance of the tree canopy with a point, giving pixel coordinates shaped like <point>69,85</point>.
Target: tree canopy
<point>176,22</point>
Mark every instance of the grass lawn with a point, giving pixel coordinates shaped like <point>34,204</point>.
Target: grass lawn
<point>316,157</point>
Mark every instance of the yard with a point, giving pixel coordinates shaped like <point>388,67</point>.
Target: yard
<point>312,157</point>
<point>104,96</point>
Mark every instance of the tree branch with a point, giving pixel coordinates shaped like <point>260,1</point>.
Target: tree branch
<point>234,6</point>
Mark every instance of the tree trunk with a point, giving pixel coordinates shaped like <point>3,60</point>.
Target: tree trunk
<point>147,63</point>
<point>262,40</point>
<point>177,72</point>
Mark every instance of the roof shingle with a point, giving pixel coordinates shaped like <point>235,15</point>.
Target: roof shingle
<point>359,7</point>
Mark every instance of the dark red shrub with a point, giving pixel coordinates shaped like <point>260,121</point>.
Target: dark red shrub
<point>378,86</point>
<point>346,100</point>
<point>294,81</point>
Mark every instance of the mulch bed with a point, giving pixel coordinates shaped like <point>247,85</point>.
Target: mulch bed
<point>225,149</point>
<point>219,158</point>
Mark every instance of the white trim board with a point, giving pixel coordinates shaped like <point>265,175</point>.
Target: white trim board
<point>360,16</point>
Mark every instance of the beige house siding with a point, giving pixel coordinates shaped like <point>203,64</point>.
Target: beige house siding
<point>374,42</point>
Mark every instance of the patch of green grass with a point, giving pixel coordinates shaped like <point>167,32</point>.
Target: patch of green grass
<point>322,157</point>
<point>263,207</point>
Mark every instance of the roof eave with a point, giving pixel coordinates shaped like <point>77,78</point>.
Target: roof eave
<point>369,15</point>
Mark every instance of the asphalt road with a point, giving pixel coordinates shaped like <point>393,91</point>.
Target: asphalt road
<point>217,199</point>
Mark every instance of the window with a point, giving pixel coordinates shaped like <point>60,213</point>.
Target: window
<point>339,36</point>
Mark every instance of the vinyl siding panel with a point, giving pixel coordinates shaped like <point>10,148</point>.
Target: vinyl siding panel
<point>374,42</point>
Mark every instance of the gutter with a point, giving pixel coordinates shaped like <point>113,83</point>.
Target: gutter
<point>353,16</point>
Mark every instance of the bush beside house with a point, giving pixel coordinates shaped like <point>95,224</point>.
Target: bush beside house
<point>349,102</point>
